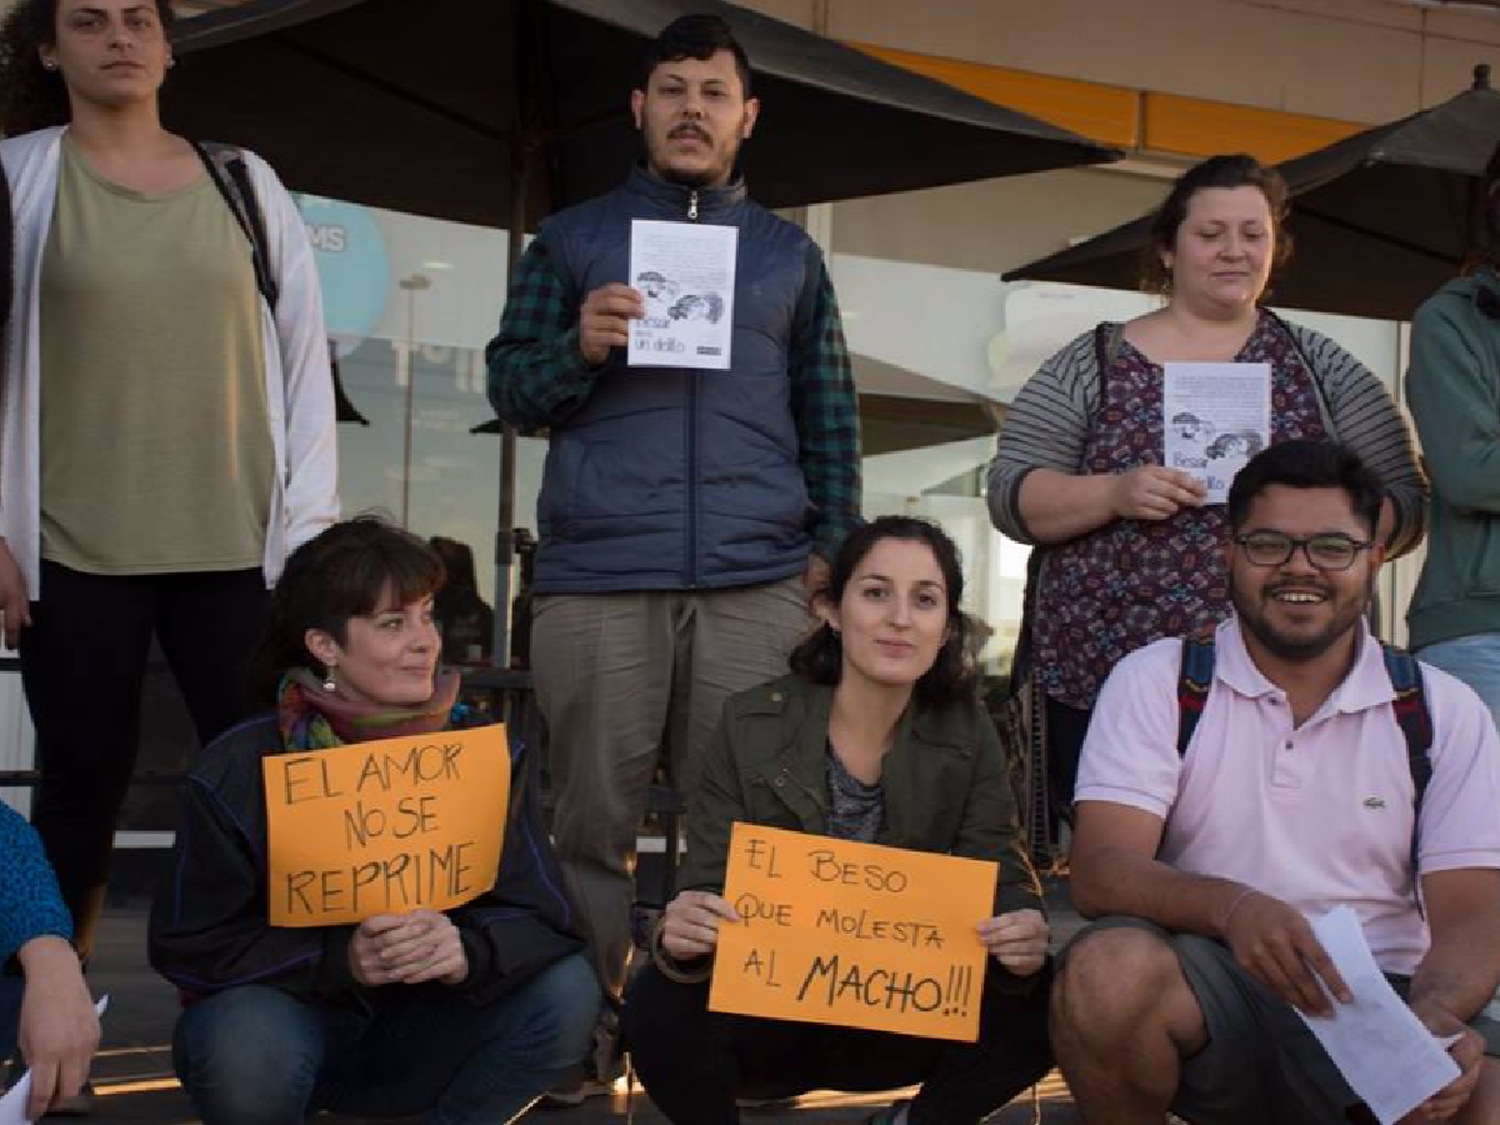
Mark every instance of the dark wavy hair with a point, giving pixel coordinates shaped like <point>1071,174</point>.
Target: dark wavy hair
<point>31,96</point>
<point>345,571</point>
<point>952,676</point>
<point>1308,464</point>
<point>1231,171</point>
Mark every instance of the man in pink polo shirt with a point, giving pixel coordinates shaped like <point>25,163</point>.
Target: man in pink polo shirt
<point>1294,795</point>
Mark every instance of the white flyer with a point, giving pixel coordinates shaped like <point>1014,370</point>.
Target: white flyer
<point>685,271</point>
<point>1380,1047</point>
<point>1216,417</point>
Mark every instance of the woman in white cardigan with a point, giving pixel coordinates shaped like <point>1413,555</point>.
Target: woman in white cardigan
<point>166,434</point>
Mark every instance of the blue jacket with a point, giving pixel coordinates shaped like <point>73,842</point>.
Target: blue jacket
<point>672,478</point>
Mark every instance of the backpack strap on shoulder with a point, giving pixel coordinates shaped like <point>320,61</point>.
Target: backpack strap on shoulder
<point>1193,681</point>
<point>1415,720</point>
<point>231,175</point>
<point>1108,335</point>
<point>1412,714</point>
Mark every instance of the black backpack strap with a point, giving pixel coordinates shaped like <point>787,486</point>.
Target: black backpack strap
<point>230,174</point>
<point>1415,720</point>
<point>1108,336</point>
<point>1193,682</point>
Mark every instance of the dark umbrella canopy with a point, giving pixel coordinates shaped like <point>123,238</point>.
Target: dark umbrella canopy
<point>497,112</point>
<point>419,107</point>
<point>1380,219</point>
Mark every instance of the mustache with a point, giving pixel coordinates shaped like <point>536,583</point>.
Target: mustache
<point>688,130</point>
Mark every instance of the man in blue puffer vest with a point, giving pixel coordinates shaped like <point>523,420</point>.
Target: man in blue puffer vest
<point>684,513</point>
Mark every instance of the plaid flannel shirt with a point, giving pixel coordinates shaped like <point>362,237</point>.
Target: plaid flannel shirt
<point>537,378</point>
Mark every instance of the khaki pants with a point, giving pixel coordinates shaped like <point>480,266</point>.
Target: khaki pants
<point>629,680</point>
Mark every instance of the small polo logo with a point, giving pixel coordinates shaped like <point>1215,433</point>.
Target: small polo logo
<point>1374,803</point>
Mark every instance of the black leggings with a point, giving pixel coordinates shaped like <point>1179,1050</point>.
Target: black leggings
<point>83,660</point>
<point>694,1063</point>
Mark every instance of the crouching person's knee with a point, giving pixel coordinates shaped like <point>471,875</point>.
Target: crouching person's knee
<point>1115,981</point>
<point>566,1000</point>
<point>249,1056</point>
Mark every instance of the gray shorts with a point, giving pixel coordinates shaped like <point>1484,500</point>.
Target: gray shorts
<point>1261,1062</point>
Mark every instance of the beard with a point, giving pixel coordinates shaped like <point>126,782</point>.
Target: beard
<point>1297,646</point>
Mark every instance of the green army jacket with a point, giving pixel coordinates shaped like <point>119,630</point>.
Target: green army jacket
<point>943,778</point>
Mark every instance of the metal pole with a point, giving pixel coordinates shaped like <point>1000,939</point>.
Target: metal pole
<point>412,285</point>
<point>506,516</point>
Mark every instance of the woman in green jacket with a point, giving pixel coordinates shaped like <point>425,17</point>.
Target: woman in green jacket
<point>877,736</point>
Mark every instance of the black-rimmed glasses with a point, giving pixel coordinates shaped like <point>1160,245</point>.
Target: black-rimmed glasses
<point>1328,551</point>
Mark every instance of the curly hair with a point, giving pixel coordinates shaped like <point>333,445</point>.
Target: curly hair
<point>31,96</point>
<point>820,658</point>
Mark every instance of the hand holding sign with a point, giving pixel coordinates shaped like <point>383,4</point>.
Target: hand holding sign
<point>690,924</point>
<point>1017,940</point>
<point>856,935</point>
<point>407,949</point>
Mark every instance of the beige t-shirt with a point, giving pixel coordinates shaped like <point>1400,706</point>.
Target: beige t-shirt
<point>156,449</point>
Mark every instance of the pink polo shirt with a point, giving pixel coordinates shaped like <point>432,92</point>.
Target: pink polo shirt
<point>1318,816</point>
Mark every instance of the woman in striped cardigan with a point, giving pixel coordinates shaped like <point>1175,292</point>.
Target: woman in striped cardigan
<point>1131,547</point>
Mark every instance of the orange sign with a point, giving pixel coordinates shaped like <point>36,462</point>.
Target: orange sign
<point>852,934</point>
<point>385,827</point>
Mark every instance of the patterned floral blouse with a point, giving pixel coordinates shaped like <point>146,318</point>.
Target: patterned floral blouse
<point>1131,582</point>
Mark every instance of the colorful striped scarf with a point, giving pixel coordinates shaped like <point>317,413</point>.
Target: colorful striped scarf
<point>313,718</point>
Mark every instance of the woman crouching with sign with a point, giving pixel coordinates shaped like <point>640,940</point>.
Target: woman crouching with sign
<point>462,1015</point>
<point>877,737</point>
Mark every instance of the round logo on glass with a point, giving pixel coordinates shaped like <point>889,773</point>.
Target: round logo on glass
<point>353,265</point>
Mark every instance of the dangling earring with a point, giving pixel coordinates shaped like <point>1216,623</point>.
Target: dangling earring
<point>328,684</point>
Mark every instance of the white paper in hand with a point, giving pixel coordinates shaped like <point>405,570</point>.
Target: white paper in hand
<point>13,1104</point>
<point>1215,417</point>
<point>685,274</point>
<point>1383,1051</point>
